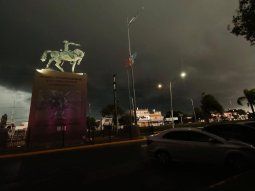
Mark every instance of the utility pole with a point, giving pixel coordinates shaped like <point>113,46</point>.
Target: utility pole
<point>12,114</point>
<point>194,112</point>
<point>132,68</point>
<point>130,106</point>
<point>129,99</point>
<point>171,102</point>
<point>89,124</point>
<point>131,59</point>
<point>115,117</point>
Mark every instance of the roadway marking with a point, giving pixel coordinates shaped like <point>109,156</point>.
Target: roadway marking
<point>229,179</point>
<point>84,147</point>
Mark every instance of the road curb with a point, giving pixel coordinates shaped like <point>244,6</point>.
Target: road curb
<point>84,147</point>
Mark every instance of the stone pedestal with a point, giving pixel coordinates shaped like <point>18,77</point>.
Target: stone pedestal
<point>58,109</point>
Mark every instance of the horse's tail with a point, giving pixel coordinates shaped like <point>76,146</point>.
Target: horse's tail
<point>44,55</point>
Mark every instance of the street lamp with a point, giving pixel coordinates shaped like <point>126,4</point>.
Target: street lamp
<point>182,75</point>
<point>159,86</point>
<point>131,61</point>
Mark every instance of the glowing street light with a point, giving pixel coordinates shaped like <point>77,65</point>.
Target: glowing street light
<point>183,75</point>
<point>160,86</point>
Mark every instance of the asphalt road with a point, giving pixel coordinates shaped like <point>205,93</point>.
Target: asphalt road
<point>115,167</point>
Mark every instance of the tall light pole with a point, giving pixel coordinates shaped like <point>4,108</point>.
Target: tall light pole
<point>115,103</point>
<point>130,100</point>
<point>171,99</point>
<point>131,61</point>
<point>182,75</point>
<point>194,112</point>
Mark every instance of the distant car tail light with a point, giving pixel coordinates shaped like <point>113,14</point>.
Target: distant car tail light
<point>149,142</point>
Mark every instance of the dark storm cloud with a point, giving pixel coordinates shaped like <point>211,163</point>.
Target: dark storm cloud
<point>168,36</point>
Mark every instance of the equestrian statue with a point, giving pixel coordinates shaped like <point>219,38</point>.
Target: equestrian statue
<point>74,57</point>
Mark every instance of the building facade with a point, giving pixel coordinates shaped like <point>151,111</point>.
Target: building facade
<point>147,118</point>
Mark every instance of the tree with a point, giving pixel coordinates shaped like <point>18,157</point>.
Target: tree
<point>3,121</point>
<point>199,113</point>
<point>210,104</point>
<point>109,110</point>
<point>249,96</point>
<point>243,21</point>
<point>91,122</point>
<point>126,120</point>
<point>175,114</point>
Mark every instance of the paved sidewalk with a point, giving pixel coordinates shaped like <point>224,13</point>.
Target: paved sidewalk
<point>242,182</point>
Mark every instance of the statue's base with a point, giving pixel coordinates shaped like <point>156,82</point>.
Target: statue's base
<point>58,109</point>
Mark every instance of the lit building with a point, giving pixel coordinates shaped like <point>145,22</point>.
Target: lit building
<point>230,115</point>
<point>146,118</point>
<point>105,121</point>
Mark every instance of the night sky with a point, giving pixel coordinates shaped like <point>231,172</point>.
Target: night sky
<point>169,36</point>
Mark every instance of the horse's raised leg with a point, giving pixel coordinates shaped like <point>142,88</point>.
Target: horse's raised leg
<point>50,61</point>
<point>58,66</point>
<point>74,64</point>
<point>79,61</point>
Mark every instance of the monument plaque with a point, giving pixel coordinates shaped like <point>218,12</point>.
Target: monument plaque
<point>58,108</point>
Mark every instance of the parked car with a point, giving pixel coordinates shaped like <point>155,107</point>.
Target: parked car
<point>238,131</point>
<point>197,145</point>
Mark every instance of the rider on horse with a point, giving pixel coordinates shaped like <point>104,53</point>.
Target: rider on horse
<point>66,47</point>
<point>67,43</point>
<point>74,57</point>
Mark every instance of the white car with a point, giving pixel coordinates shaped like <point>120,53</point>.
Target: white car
<point>196,145</point>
